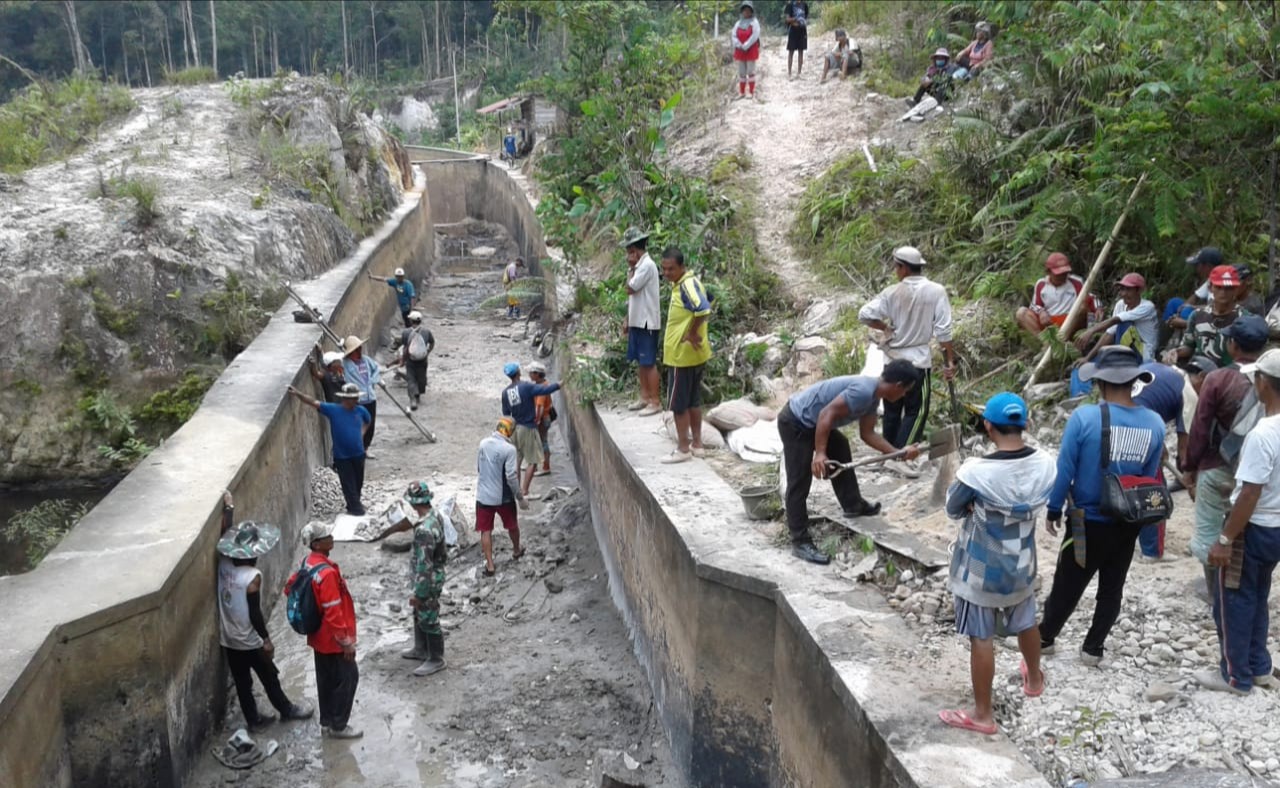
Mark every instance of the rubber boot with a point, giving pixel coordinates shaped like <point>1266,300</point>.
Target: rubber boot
<point>420,649</point>
<point>435,662</point>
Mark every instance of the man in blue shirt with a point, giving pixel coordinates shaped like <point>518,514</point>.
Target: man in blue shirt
<point>1164,396</point>
<point>347,424</point>
<point>809,425</point>
<point>1137,444</point>
<point>517,402</point>
<point>406,296</point>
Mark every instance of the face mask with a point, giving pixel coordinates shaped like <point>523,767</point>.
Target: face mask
<point>940,63</point>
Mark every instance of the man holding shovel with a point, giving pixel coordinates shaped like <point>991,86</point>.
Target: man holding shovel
<point>809,425</point>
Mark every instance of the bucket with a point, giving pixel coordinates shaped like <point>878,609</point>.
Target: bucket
<point>761,503</point>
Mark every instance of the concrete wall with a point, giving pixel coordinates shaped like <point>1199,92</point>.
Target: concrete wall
<point>110,670</point>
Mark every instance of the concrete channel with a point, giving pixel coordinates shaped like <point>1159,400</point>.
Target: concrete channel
<point>764,673</point>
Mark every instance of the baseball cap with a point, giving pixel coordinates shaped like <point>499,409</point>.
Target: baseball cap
<point>1224,276</point>
<point>315,531</point>
<point>1133,280</point>
<point>538,367</point>
<point>1006,409</point>
<point>1057,263</point>
<point>1249,332</point>
<point>909,255</point>
<point>1199,364</point>
<point>399,272</point>
<point>1209,255</point>
<point>1244,270</point>
<point>1269,363</point>
<point>510,369</point>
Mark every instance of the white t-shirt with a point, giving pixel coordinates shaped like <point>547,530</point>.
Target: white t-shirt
<point>233,605</point>
<point>1205,293</point>
<point>917,310</point>
<point>643,308</point>
<point>1260,464</point>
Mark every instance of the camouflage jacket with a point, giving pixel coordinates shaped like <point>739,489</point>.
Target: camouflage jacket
<point>429,552</point>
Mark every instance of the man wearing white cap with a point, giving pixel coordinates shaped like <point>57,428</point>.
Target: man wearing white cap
<point>911,314</point>
<point>1249,548</point>
<point>364,373</point>
<point>329,373</point>
<point>406,296</point>
<point>416,345</point>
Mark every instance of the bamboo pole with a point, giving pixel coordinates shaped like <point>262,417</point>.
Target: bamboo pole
<point>1082,298</point>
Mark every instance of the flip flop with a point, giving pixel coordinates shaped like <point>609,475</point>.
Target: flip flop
<point>1044,682</point>
<point>517,554</point>
<point>957,718</point>
<point>490,572</point>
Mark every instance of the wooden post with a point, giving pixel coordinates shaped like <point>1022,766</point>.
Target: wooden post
<point>1082,298</point>
<point>457,113</point>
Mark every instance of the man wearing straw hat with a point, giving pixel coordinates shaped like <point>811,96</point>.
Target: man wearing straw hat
<point>365,374</point>
<point>347,423</point>
<point>243,629</point>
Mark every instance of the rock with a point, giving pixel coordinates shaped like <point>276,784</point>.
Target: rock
<point>865,567</point>
<point>907,576</point>
<point>398,543</point>
<point>1273,764</point>
<point>1208,739</point>
<point>552,586</point>
<point>1159,691</point>
<point>631,763</point>
<point>1163,652</point>
<point>394,607</point>
<point>902,592</point>
<point>574,618</point>
<point>807,357</point>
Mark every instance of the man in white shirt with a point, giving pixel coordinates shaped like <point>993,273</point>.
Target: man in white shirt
<point>911,314</point>
<point>1249,548</point>
<point>1134,322</point>
<point>644,319</point>
<point>1053,297</point>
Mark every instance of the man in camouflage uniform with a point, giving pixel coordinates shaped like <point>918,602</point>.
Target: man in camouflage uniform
<point>427,561</point>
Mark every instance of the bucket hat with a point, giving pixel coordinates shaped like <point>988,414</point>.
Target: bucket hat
<point>418,494</point>
<point>942,52</point>
<point>248,540</point>
<point>634,235</point>
<point>348,391</point>
<point>351,343</point>
<point>1116,364</point>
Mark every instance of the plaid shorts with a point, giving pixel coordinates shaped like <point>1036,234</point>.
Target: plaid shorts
<point>979,622</point>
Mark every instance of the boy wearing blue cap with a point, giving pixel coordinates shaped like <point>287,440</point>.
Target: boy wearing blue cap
<point>993,566</point>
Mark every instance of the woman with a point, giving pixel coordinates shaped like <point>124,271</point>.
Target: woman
<point>977,55</point>
<point>746,48</point>
<point>796,15</point>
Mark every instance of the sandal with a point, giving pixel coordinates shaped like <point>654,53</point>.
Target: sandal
<point>956,718</point>
<point>1022,668</point>
<point>517,554</point>
<point>490,571</point>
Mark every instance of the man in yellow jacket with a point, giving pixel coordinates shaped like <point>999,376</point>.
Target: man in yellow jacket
<point>685,349</point>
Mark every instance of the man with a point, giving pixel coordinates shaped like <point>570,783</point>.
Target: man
<point>1203,334</point>
<point>365,374</point>
<point>993,567</point>
<point>1133,323</point>
<point>543,414</point>
<point>334,643</point>
<point>910,314</point>
<point>1177,311</point>
<point>430,553</point>
<point>513,273</point>
<point>1207,474</point>
<point>347,424</point>
<point>498,491</point>
<point>329,374</point>
<point>809,425</point>
<point>406,296</point>
<point>1163,395</point>
<point>1137,444</point>
<point>242,627</point>
<point>1252,530</point>
<point>1053,297</point>
<point>1248,299</point>
<point>518,403</point>
<point>844,58</point>
<point>795,14</point>
<point>644,320</point>
<point>416,346</point>
<point>685,350</point>
<point>1197,369</point>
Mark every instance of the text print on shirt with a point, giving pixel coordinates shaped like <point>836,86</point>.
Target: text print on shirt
<point>513,396</point>
<point>1130,444</point>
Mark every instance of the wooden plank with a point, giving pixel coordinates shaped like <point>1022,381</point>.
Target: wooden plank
<point>890,537</point>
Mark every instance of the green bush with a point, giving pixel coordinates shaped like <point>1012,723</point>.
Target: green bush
<point>121,321</point>
<point>194,75</point>
<point>42,526</point>
<point>170,409</point>
<point>51,119</point>
<point>234,317</point>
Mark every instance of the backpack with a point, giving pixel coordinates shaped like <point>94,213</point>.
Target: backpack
<point>417,345</point>
<point>1247,417</point>
<point>301,608</point>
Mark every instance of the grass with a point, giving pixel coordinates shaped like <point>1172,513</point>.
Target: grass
<point>172,407</point>
<point>50,120</point>
<point>121,321</point>
<point>195,75</point>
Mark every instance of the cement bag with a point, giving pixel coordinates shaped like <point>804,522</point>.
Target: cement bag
<point>758,443</point>
<point>733,414</point>
<point>446,507</point>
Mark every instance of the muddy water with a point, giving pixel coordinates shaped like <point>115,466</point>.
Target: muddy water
<point>13,554</point>
<point>541,675</point>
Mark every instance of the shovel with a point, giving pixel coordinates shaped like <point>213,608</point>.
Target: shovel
<point>941,443</point>
<point>947,470</point>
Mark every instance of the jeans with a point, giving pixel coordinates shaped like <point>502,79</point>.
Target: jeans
<point>1240,614</point>
<point>372,407</point>
<point>1109,551</point>
<point>255,660</point>
<point>336,680</point>
<point>797,455</point>
<point>904,420</point>
<point>351,476</point>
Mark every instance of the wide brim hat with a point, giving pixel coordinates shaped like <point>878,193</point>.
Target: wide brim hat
<point>248,540</point>
<point>348,391</point>
<point>1116,364</point>
<point>351,343</point>
<point>633,235</point>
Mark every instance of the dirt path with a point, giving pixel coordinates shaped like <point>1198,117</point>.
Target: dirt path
<point>529,699</point>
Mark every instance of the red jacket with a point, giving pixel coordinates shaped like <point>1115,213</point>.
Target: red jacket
<point>745,34</point>
<point>337,608</point>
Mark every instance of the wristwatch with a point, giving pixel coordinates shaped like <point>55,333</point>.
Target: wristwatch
<point>1224,540</point>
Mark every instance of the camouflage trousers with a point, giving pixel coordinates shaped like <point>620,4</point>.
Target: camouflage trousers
<point>428,614</point>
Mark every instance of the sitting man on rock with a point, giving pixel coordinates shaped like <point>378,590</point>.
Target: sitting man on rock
<point>844,58</point>
<point>937,78</point>
<point>1053,297</point>
<point>809,425</point>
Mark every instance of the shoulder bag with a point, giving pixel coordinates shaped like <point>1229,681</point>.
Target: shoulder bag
<point>1130,500</point>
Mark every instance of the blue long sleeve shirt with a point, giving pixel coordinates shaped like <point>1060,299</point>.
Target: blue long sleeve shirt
<point>1137,442</point>
<point>517,401</point>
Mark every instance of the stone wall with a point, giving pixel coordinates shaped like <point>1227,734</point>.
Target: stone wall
<point>110,670</point>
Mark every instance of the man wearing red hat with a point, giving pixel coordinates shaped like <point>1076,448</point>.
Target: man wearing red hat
<point>1053,297</point>
<point>1202,337</point>
<point>1134,322</point>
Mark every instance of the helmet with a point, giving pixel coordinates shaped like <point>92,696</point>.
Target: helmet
<point>942,52</point>
<point>511,369</point>
<point>331,358</point>
<point>399,272</point>
<point>418,494</point>
<point>506,426</point>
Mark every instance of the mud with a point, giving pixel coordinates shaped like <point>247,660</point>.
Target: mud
<point>542,682</point>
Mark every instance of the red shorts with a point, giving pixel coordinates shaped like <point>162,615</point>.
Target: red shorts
<point>485,515</point>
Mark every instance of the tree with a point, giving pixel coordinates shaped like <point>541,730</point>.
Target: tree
<point>79,51</point>
<point>213,32</point>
